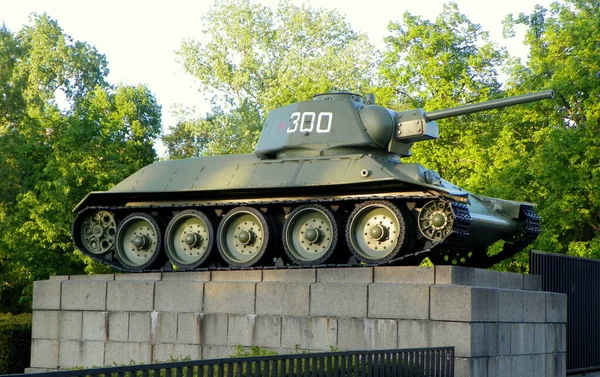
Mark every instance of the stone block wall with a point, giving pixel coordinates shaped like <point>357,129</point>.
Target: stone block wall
<point>500,323</point>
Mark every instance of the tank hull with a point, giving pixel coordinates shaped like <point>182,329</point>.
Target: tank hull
<point>191,214</point>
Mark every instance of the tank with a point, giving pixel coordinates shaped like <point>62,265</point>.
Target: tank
<point>325,186</point>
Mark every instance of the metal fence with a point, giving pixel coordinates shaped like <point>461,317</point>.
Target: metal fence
<point>579,278</point>
<point>418,362</point>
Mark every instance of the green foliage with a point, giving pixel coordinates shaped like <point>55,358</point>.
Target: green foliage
<point>441,64</point>
<point>64,131</point>
<point>356,364</point>
<point>562,162</point>
<point>15,343</point>
<point>253,351</point>
<point>257,59</point>
<point>546,152</point>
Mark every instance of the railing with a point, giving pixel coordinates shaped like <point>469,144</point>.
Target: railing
<point>579,278</point>
<point>418,362</point>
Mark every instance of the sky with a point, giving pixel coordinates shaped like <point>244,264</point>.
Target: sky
<point>139,37</point>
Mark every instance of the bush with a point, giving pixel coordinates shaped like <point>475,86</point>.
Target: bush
<point>15,342</point>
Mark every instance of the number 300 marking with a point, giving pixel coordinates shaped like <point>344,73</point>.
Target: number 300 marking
<point>305,122</point>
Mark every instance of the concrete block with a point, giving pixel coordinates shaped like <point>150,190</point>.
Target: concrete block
<point>146,276</point>
<point>283,298</point>
<point>491,366</point>
<point>188,328</point>
<point>404,274</point>
<point>539,366</point>
<point>490,341</point>
<point>464,303</point>
<point>186,276</point>
<point>176,352</point>
<point>217,352</point>
<point>44,353</point>
<point>99,277</point>
<point>135,296</point>
<point>243,275</point>
<point>37,370</point>
<point>345,275</point>
<point>87,354</point>
<point>454,275</point>
<point>511,280</point>
<point>140,327</point>
<point>234,297</point>
<point>59,277</point>
<point>522,338</point>
<point>213,329</point>
<point>164,327</point>
<point>469,339</point>
<point>532,282</point>
<point>522,365</point>
<point>562,344</point>
<point>534,307</point>
<point>471,367</point>
<point>486,278</point>
<point>46,295</point>
<point>556,307</point>
<point>305,275</point>
<point>118,326</point>
<point>70,325</point>
<point>83,295</point>
<point>95,326</point>
<point>556,338</point>
<point>120,353</point>
<point>45,324</point>
<point>556,364</point>
<point>504,333</point>
<point>338,299</point>
<point>318,333</point>
<point>398,301</point>
<point>252,330</point>
<point>539,341</point>
<point>511,305</point>
<point>415,334</point>
<point>367,334</point>
<point>178,296</point>
<point>503,367</point>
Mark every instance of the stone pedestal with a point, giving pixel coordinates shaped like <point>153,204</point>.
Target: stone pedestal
<point>500,323</point>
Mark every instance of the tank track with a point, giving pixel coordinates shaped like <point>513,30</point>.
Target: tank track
<point>530,229</point>
<point>462,222</point>
<point>460,230</point>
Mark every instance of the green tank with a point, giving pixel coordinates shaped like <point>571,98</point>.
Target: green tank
<point>324,187</point>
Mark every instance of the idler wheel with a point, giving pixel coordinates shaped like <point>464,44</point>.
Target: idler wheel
<point>138,241</point>
<point>190,239</point>
<point>243,237</point>
<point>310,234</point>
<point>98,232</point>
<point>376,231</point>
<point>436,220</point>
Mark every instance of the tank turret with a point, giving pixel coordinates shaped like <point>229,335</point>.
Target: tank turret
<point>325,186</point>
<point>334,122</point>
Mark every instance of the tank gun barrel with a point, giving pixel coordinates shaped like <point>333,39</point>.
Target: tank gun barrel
<point>488,105</point>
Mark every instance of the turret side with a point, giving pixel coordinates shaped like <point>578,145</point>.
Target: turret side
<point>311,127</point>
<point>340,123</point>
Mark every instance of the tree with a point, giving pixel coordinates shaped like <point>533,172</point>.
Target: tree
<point>256,59</point>
<point>450,62</point>
<point>64,131</point>
<point>441,64</point>
<point>565,159</point>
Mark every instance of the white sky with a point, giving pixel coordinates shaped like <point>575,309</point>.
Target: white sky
<point>139,37</point>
